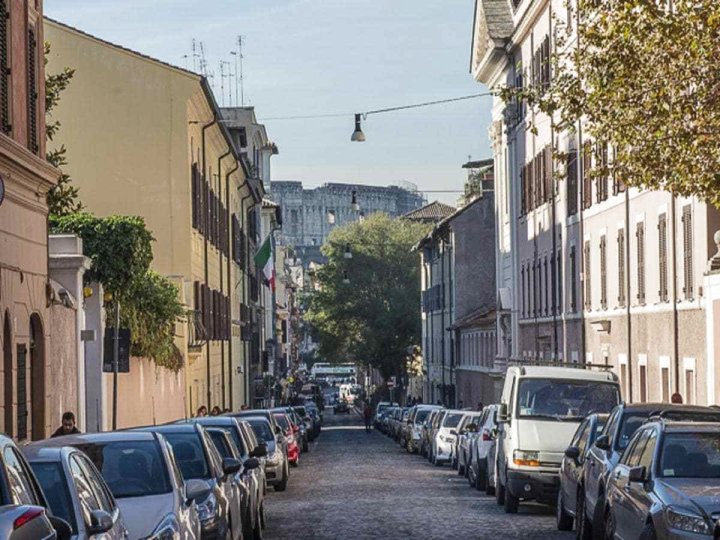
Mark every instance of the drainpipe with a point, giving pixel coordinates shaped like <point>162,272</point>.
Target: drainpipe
<point>230,289</point>
<point>205,127</point>
<point>220,266</point>
<point>442,322</point>
<point>676,344</point>
<point>628,281</point>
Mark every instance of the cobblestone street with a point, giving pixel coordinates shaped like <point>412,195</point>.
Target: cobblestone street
<point>357,485</point>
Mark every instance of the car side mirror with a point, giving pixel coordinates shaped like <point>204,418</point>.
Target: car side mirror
<point>100,522</point>
<point>572,452</point>
<point>637,474</point>
<point>62,528</point>
<point>472,428</point>
<point>501,414</point>
<point>231,465</point>
<point>603,442</point>
<point>259,451</point>
<point>251,463</point>
<point>196,490</point>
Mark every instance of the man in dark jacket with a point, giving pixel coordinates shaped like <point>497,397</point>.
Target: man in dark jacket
<point>68,425</point>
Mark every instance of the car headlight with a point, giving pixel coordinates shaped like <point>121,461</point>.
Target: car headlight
<point>686,520</point>
<point>168,529</point>
<point>208,508</point>
<point>526,458</point>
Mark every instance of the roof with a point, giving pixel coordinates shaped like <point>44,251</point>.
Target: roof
<point>267,203</point>
<point>481,164</point>
<point>498,18</point>
<point>434,211</point>
<point>440,225</point>
<point>482,315</point>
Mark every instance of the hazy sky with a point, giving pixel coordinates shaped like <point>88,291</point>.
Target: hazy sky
<point>307,57</point>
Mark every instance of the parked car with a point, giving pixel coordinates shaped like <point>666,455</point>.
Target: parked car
<point>251,518</point>
<point>426,432</point>
<point>143,476</point>
<point>301,433</point>
<point>466,431</point>
<point>444,440</point>
<point>23,508</point>
<point>196,457</point>
<point>540,410</point>
<point>265,413</point>
<point>277,469</point>
<point>402,433</point>
<point>666,483</point>
<point>76,492</point>
<point>432,431</point>
<point>341,407</point>
<point>293,450</point>
<point>244,440</point>
<point>481,462</point>
<point>316,414</point>
<point>380,409</point>
<point>307,421</point>
<point>604,455</point>
<point>571,469</point>
<point>415,424</point>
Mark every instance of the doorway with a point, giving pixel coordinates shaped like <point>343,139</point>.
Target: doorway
<point>37,377</point>
<point>8,376</point>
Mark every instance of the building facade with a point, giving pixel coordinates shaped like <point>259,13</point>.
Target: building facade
<point>587,270</point>
<point>25,179</point>
<point>310,214</point>
<point>169,159</point>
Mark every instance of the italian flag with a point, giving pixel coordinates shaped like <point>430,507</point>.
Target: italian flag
<point>264,260</point>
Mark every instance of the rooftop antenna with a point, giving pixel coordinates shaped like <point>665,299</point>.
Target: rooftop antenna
<point>222,82</point>
<point>239,60</point>
<point>195,55</point>
<point>229,78</point>
<point>203,62</point>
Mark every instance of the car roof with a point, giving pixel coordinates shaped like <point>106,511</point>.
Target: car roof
<point>89,438</point>
<point>46,453</point>
<point>210,421</point>
<point>457,411</point>
<point>256,418</point>
<point>578,373</point>
<point>691,427</point>
<point>171,428</point>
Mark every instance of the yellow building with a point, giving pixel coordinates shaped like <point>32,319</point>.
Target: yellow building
<point>145,138</point>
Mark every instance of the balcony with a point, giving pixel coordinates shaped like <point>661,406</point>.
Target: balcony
<point>197,334</point>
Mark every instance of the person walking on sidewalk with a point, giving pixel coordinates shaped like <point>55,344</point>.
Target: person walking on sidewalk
<point>367,415</point>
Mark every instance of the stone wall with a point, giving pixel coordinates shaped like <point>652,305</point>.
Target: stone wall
<point>62,350</point>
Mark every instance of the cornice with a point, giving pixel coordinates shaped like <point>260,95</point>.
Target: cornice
<point>25,168</point>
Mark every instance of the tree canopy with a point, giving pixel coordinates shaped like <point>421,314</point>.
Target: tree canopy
<point>643,77</point>
<point>375,317</point>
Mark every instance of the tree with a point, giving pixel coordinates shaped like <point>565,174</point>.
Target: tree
<point>375,317</point>
<point>62,198</point>
<point>645,80</point>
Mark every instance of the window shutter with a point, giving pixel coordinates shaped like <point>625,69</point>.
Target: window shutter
<point>640,235</point>
<point>603,272</point>
<point>573,280</point>
<point>547,286</point>
<point>559,268</point>
<point>572,183</point>
<point>32,91</point>
<point>621,267</point>
<point>522,280</point>
<point>687,252</point>
<point>663,257</point>
<point>587,277</point>
<point>586,176</point>
<point>4,67</point>
<point>523,191</point>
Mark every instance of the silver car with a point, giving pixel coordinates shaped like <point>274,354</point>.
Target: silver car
<point>76,492</point>
<point>667,483</point>
<point>141,472</point>
<point>277,468</point>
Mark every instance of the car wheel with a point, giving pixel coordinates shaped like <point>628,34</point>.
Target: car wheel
<point>257,531</point>
<point>481,481</point>
<point>583,527</point>
<point>598,520</point>
<point>263,517</point>
<point>563,520</point>
<point>609,533</point>
<point>512,503</point>
<point>648,533</point>
<point>282,486</point>
<point>247,525</point>
<point>461,469</point>
<point>500,493</point>
<point>489,488</point>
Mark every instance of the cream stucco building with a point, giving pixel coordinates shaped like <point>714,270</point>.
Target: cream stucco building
<point>146,138</point>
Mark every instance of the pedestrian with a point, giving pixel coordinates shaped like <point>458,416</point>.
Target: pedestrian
<point>479,406</point>
<point>367,415</point>
<point>68,425</point>
<point>215,411</point>
<point>676,398</point>
<point>202,411</point>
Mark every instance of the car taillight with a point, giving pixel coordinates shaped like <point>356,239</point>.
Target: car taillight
<point>486,435</point>
<point>27,517</point>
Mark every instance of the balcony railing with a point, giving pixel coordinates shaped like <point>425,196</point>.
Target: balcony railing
<point>197,334</point>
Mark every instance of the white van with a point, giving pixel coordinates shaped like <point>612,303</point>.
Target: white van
<point>540,409</point>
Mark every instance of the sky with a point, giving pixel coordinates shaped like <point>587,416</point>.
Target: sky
<point>319,57</point>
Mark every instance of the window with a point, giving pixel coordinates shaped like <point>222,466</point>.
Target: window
<point>88,500</point>
<point>621,267</point>
<point>19,483</point>
<point>541,65</point>
<point>32,90</point>
<point>52,481</point>
<point>690,386</point>
<point>189,455</point>
<point>603,272</point>
<point>586,176</point>
<point>523,309</point>
<point>547,287</point>
<point>618,183</point>
<point>587,278</point>
<point>624,378</point>
<point>687,252</point>
<point>573,280</point>
<point>519,103</point>
<point>4,67</point>
<point>559,288</point>
<point>601,180</point>
<point>643,383</point>
<point>242,137</point>
<point>572,182</point>
<point>665,384</point>
<point>631,456</point>
<point>662,259</point>
<point>648,452</point>
<point>640,236</point>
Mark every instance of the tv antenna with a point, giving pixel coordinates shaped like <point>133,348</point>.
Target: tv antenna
<point>239,69</point>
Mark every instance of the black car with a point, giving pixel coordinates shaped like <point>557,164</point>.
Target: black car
<point>341,407</point>
<point>197,458</point>
<point>571,468</point>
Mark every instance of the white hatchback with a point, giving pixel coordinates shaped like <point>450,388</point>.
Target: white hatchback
<point>444,441</point>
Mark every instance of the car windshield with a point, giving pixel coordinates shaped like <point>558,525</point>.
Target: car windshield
<point>421,415</point>
<point>690,455</point>
<point>630,423</point>
<point>262,430</point>
<point>565,400</point>
<point>452,420</point>
<point>130,468</point>
<point>283,421</point>
<point>218,437</point>
<point>54,486</point>
<point>190,455</point>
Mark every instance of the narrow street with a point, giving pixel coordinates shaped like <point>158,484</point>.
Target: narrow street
<point>357,485</point>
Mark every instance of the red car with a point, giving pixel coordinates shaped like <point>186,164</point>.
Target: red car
<point>291,433</point>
